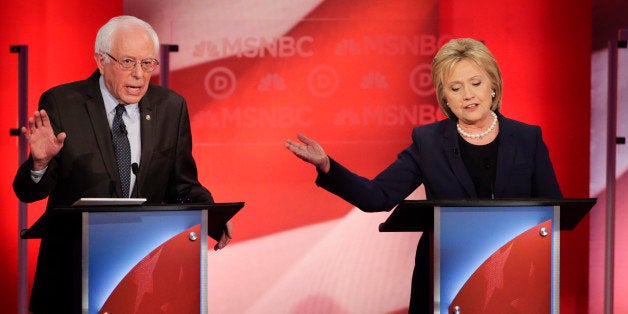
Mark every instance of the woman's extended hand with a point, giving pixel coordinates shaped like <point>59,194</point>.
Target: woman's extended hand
<point>310,151</point>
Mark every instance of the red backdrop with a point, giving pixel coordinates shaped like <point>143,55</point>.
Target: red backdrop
<point>60,39</point>
<point>543,48</point>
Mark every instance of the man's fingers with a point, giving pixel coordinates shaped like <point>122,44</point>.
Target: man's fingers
<point>222,243</point>
<point>61,137</point>
<point>229,230</point>
<point>45,121</point>
<point>31,124</point>
<point>25,132</point>
<point>226,237</point>
<point>37,119</point>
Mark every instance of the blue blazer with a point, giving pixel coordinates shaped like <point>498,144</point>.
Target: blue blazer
<point>523,169</point>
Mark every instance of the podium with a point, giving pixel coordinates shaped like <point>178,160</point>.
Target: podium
<point>140,258</point>
<point>492,256</point>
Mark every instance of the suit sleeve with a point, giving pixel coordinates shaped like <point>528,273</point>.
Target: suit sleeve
<point>544,182</point>
<point>25,189</point>
<point>184,185</point>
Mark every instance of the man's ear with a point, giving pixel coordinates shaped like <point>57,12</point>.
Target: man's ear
<point>100,61</point>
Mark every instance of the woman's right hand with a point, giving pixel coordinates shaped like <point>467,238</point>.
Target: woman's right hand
<point>309,151</point>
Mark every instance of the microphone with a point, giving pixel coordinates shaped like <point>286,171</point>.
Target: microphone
<point>135,168</point>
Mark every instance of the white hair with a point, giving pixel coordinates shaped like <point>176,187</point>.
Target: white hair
<point>104,37</point>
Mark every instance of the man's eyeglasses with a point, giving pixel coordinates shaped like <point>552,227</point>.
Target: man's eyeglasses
<point>148,64</point>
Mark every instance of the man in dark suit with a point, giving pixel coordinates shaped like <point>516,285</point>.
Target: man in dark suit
<point>112,135</point>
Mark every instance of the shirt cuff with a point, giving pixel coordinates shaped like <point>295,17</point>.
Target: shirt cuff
<point>37,174</point>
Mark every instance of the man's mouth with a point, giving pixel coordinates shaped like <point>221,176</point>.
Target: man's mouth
<point>133,89</point>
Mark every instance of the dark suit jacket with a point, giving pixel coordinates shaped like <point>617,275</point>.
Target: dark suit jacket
<point>523,170</point>
<point>86,167</point>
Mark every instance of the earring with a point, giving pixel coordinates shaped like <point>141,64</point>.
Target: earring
<point>493,94</point>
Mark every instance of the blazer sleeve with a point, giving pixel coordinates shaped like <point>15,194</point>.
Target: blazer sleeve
<point>383,192</point>
<point>544,182</point>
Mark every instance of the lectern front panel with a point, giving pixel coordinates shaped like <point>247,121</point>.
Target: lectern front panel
<point>495,259</point>
<point>137,262</point>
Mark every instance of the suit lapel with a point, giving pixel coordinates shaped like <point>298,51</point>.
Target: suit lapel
<point>451,149</point>
<point>98,117</point>
<point>147,122</point>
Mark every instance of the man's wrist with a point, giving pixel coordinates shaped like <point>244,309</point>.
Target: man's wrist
<point>40,165</point>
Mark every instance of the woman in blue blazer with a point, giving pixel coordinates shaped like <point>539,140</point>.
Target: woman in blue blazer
<point>475,153</point>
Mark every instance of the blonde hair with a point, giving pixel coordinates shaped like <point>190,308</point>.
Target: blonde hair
<point>465,49</point>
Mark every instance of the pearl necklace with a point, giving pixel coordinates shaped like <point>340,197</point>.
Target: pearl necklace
<point>481,134</point>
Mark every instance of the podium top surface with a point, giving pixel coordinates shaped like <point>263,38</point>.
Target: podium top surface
<point>148,207</point>
<point>64,220</point>
<point>418,215</point>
